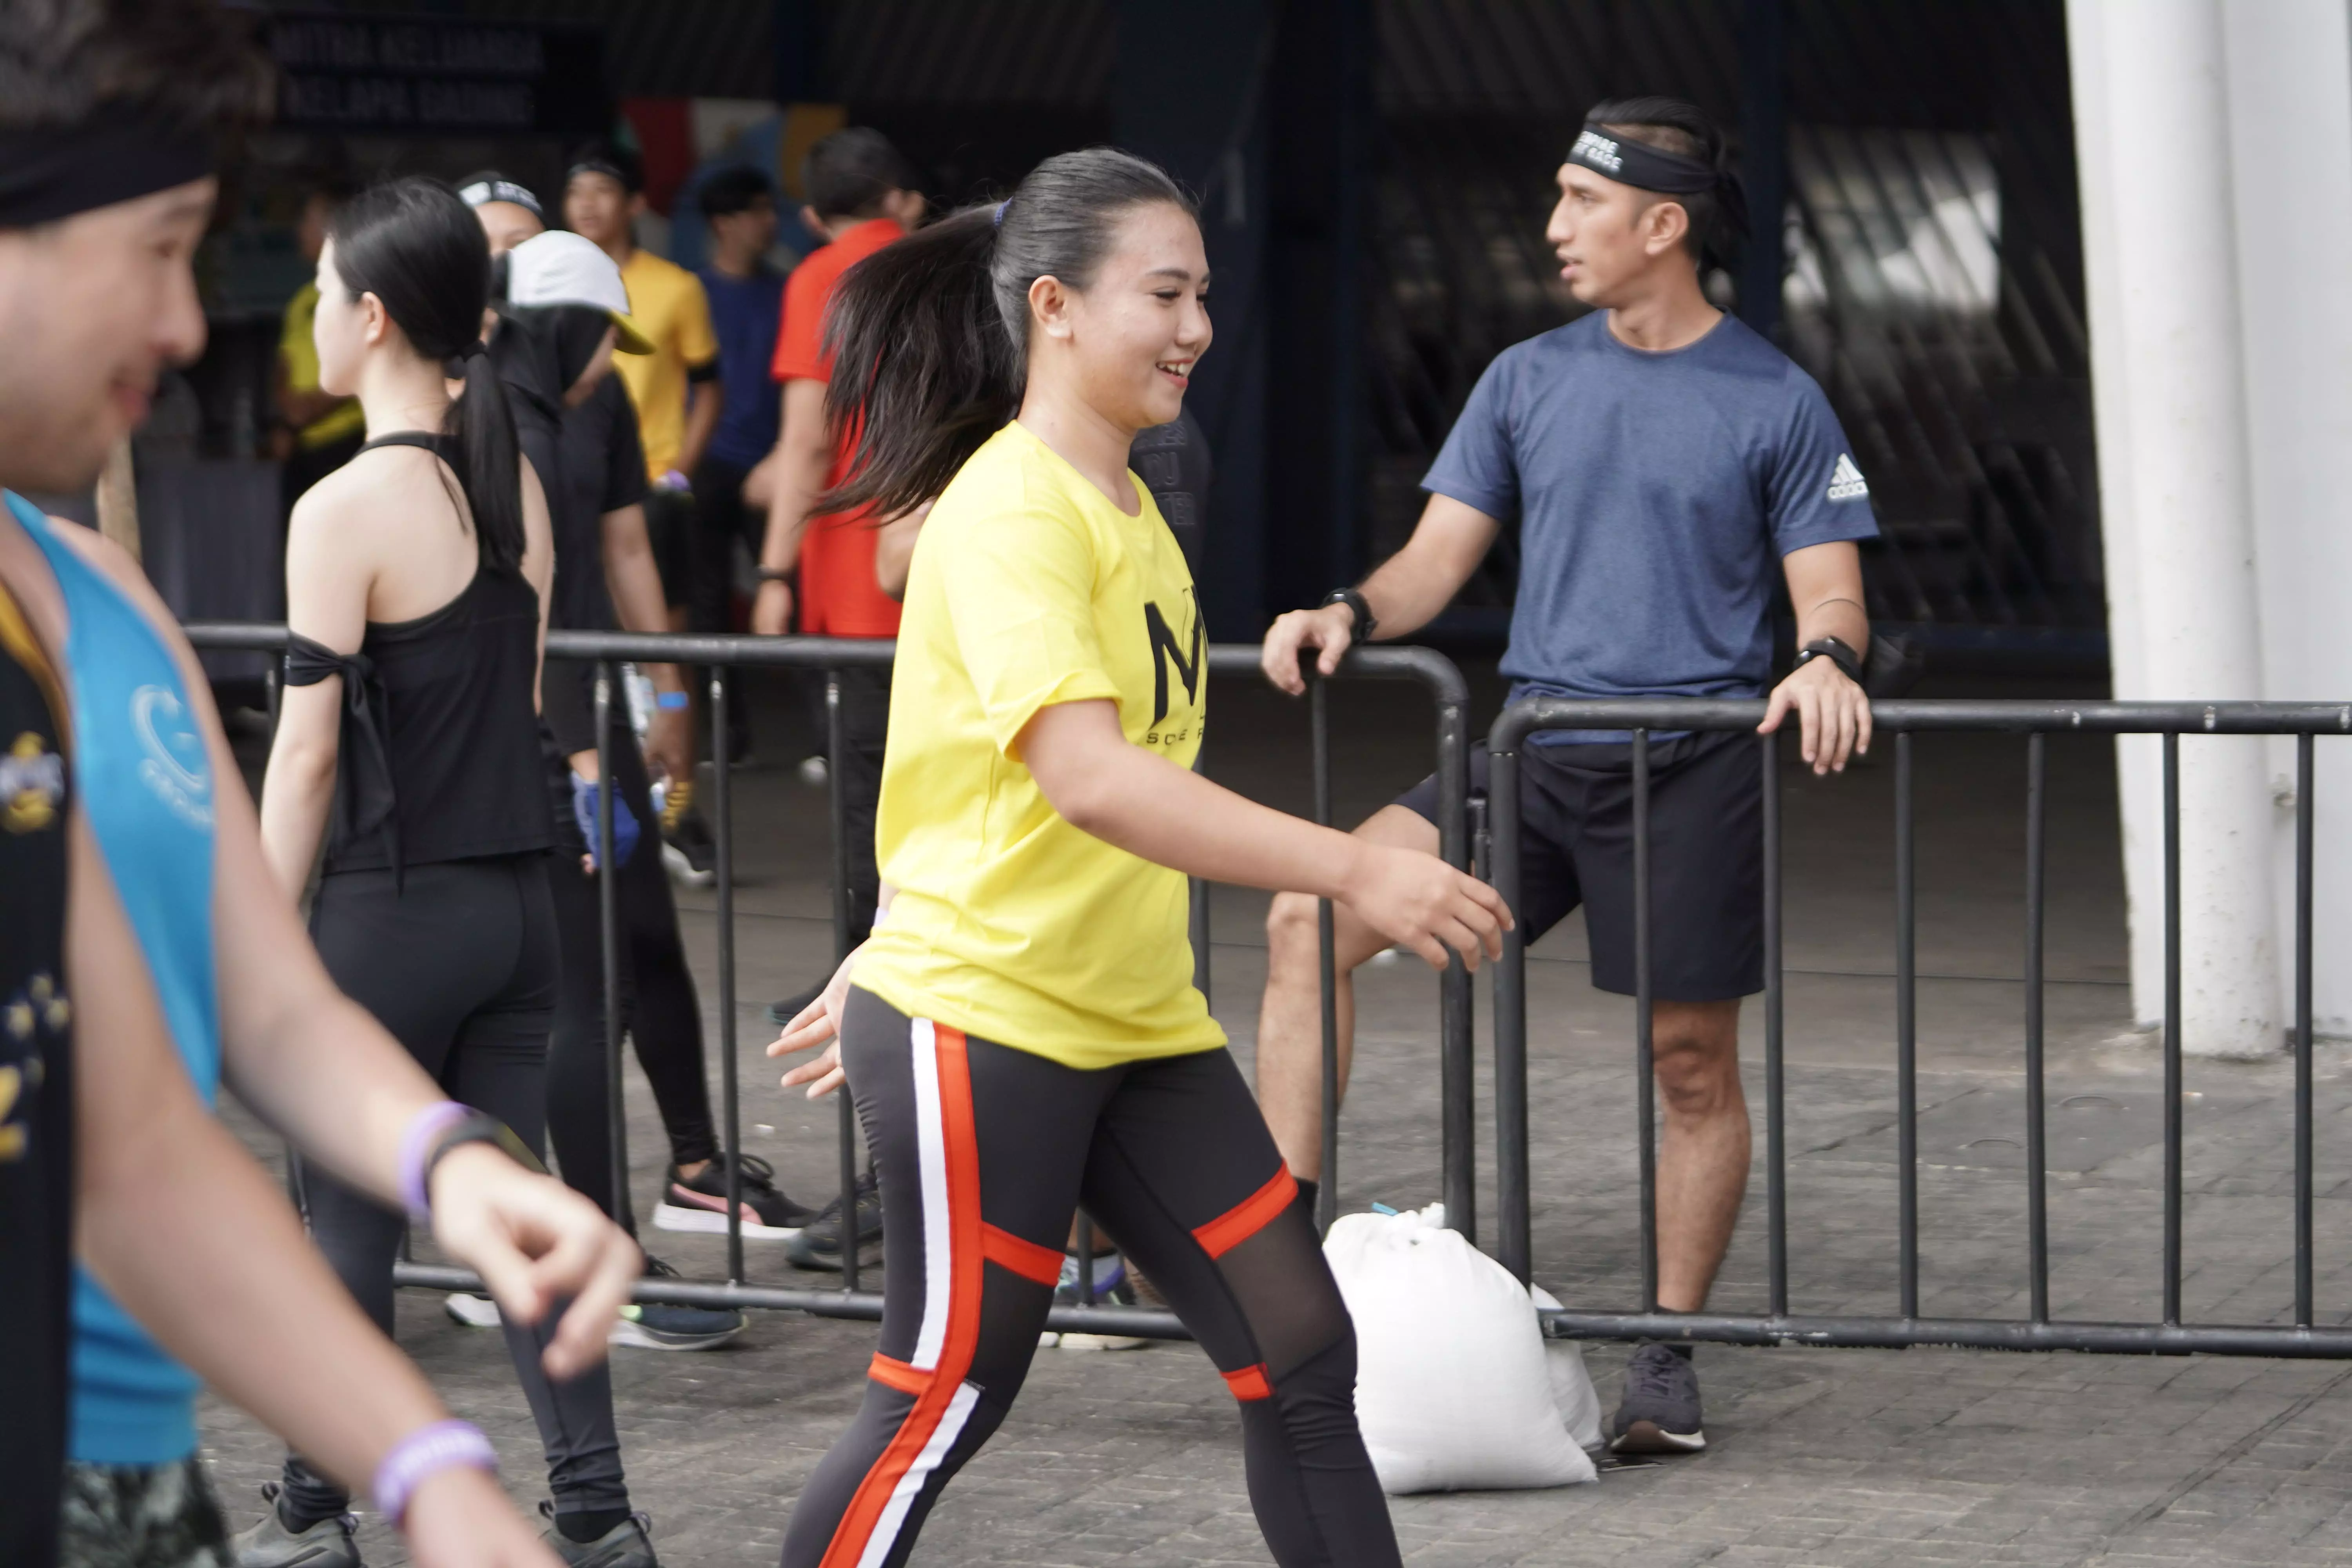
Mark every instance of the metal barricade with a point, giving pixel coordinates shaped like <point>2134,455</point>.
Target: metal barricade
<point>2036,721</point>
<point>721,655</point>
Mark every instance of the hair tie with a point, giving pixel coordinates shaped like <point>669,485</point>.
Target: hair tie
<point>1000,212</point>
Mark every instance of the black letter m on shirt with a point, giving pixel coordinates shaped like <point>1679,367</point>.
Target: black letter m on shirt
<point>1166,650</point>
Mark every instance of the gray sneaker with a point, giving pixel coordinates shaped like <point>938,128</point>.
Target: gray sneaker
<point>269,1544</point>
<point>627,1544</point>
<point>1658,1412</point>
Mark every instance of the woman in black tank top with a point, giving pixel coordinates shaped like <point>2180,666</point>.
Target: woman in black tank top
<point>408,741</point>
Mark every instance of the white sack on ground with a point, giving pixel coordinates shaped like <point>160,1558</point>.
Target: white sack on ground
<point>1454,1387</point>
<point>1572,1393</point>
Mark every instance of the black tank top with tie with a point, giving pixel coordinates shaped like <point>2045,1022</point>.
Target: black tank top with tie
<point>439,752</point>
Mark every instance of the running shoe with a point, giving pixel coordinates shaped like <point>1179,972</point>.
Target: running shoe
<point>1658,1412</point>
<point>1113,1288</point>
<point>476,1311</point>
<point>268,1543</point>
<point>700,1206</point>
<point>628,1544</point>
<point>655,1326</point>
<point>818,1245</point>
<point>783,1013</point>
<point>688,850</point>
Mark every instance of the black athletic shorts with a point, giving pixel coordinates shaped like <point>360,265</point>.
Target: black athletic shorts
<point>1707,858</point>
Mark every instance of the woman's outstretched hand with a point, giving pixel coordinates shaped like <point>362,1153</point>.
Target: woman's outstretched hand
<point>818,1024</point>
<point>1420,902</point>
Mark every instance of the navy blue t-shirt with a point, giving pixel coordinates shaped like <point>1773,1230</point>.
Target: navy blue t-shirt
<point>1656,494</point>
<point>745,314</point>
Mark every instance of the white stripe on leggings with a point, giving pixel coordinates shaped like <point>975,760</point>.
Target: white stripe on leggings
<point>910,1485</point>
<point>939,1234</point>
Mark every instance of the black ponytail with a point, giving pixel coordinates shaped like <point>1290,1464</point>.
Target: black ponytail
<point>940,321</point>
<point>414,245</point>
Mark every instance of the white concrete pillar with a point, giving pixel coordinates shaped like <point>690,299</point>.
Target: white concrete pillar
<point>2153,133</point>
<point>2290,88</point>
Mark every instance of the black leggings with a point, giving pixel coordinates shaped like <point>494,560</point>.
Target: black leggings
<point>460,967</point>
<point>985,1151</point>
<point>658,1005</point>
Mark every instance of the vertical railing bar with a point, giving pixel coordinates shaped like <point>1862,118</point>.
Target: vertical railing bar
<point>1327,1196</point>
<point>1085,1257</point>
<point>1645,1093</point>
<point>2172,1076</point>
<point>1513,1239</point>
<point>1457,1066</point>
<point>2305,830</point>
<point>1907,1020</point>
<point>723,805</point>
<point>2037,1216</point>
<point>608,915</point>
<point>837,804</point>
<point>1775,1142</point>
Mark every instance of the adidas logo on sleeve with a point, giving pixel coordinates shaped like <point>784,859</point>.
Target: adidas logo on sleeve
<point>1846,482</point>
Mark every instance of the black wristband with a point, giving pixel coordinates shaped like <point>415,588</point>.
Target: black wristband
<point>775,575</point>
<point>1357,606</point>
<point>1849,663</point>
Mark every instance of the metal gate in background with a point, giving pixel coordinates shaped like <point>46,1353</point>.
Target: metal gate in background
<point>721,656</point>
<point>2039,1330</point>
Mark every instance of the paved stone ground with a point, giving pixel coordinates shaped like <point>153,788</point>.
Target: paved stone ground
<point>1817,1456</point>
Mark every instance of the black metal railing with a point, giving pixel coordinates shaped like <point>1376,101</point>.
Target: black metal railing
<point>723,654</point>
<point>2038,1331</point>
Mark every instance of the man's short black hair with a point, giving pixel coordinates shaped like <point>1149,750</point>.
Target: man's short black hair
<point>1674,125</point>
<point>64,63</point>
<point>847,173</point>
<point>732,189</point>
<point>606,156</point>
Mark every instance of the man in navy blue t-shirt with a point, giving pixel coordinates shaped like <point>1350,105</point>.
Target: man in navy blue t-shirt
<point>747,300</point>
<point>1660,460</point>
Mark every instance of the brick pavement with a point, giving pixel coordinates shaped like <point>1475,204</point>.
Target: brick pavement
<point>1819,1457</point>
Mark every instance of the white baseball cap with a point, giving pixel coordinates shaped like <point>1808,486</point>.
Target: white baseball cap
<point>559,267</point>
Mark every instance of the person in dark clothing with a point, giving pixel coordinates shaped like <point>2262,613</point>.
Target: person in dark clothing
<point>414,587</point>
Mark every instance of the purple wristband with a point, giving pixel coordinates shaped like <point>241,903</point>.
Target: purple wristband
<point>423,1130</point>
<point>424,1453</point>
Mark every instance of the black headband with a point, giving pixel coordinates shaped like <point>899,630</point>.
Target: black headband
<point>604,166</point>
<point>54,171</point>
<point>1649,168</point>
<point>491,188</point>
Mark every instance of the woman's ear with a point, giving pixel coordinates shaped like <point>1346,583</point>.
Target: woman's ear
<point>1049,306</point>
<point>375,322</point>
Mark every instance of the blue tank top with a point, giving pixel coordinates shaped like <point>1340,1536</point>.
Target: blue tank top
<point>146,786</point>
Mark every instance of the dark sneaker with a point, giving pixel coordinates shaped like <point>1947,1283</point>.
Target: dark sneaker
<point>269,1544</point>
<point>655,1326</point>
<point>628,1544</point>
<point>1658,1413</point>
<point>783,1013</point>
<point>818,1245</point>
<point>700,1206</point>
<point>688,850</point>
<point>1113,1288</point>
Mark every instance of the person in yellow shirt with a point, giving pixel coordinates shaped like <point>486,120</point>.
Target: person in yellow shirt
<point>1021,1033</point>
<point>676,387</point>
<point>317,431</point>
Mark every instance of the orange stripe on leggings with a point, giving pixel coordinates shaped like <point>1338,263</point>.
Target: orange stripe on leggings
<point>1250,1383</point>
<point>962,1147</point>
<point>1246,1219</point>
<point>1022,1256</point>
<point>898,1374</point>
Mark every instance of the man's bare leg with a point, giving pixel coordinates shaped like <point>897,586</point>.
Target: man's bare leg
<point>1290,1018</point>
<point>1703,1158</point>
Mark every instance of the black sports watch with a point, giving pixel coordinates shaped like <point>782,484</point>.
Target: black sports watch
<point>478,1127</point>
<point>1365,622</point>
<point>1848,662</point>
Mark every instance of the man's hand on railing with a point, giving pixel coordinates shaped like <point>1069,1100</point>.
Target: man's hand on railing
<point>1331,628</point>
<point>1833,712</point>
<point>816,1024</point>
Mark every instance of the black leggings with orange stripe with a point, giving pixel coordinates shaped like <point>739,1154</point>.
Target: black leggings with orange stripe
<point>985,1153</point>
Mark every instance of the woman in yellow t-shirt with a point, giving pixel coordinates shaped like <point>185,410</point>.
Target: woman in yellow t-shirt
<point>1021,1033</point>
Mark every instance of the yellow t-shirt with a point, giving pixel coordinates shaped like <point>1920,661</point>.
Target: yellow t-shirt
<point>301,352</point>
<point>1029,588</point>
<point>668,305</point>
